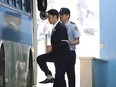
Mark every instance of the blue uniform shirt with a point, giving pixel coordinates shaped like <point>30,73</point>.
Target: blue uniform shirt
<point>73,33</point>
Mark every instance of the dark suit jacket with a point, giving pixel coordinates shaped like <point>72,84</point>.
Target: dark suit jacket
<point>60,49</point>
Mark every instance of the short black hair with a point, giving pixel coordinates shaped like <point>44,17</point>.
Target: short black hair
<point>53,12</point>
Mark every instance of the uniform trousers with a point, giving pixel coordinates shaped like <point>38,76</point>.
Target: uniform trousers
<point>71,69</point>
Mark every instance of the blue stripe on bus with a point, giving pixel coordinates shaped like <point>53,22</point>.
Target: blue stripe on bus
<point>16,36</point>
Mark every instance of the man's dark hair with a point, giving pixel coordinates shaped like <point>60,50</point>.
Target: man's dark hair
<point>53,12</point>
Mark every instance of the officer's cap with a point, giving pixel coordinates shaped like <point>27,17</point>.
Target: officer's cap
<point>64,11</point>
<point>52,12</point>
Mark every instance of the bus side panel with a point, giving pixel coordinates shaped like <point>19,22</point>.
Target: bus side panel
<point>16,63</point>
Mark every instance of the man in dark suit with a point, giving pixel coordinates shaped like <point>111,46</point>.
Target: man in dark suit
<point>58,52</point>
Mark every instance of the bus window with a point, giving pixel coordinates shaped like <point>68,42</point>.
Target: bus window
<point>28,5</point>
<point>23,5</point>
<point>14,3</point>
<point>10,2</point>
<point>6,1</point>
<point>19,4</point>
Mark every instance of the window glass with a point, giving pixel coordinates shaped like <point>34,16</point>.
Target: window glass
<point>10,2</point>
<point>4,1</point>
<point>19,4</point>
<point>14,3</point>
<point>23,5</point>
<point>28,5</point>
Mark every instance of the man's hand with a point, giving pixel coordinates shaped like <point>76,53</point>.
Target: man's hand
<point>49,49</point>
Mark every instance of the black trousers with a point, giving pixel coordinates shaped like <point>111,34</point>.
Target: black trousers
<point>71,69</point>
<point>42,62</point>
<point>60,63</point>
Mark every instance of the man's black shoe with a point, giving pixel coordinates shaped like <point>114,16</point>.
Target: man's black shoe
<point>48,80</point>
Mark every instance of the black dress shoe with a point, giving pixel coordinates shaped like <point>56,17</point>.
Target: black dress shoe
<point>48,80</point>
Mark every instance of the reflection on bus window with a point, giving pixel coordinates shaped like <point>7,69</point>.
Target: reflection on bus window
<point>8,18</point>
<point>14,21</point>
<point>11,26</point>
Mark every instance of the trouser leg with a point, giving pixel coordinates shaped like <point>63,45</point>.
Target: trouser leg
<point>60,75</point>
<point>71,76</point>
<point>71,70</point>
<point>42,62</point>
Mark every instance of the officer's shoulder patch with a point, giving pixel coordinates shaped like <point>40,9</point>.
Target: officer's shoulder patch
<point>72,22</point>
<point>76,28</point>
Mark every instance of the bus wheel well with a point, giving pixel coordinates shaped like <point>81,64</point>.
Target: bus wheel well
<point>30,59</point>
<point>2,51</point>
<point>2,66</point>
<point>30,71</point>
